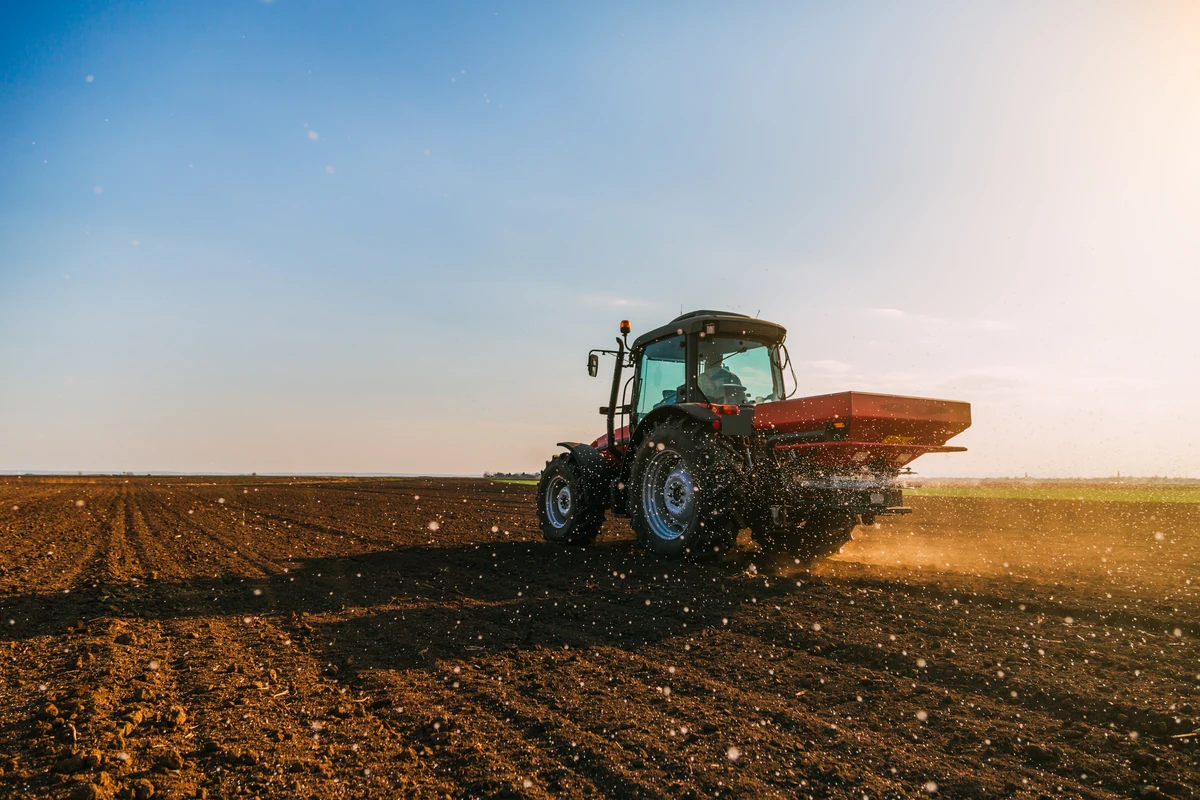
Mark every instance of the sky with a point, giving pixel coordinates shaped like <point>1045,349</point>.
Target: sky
<point>381,237</point>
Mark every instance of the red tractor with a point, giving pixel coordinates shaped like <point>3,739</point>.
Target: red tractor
<point>710,443</point>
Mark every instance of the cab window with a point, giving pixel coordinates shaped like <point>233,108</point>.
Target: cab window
<point>662,374</point>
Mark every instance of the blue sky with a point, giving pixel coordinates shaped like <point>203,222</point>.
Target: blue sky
<point>374,238</point>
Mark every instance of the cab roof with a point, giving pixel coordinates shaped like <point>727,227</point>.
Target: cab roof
<point>725,322</point>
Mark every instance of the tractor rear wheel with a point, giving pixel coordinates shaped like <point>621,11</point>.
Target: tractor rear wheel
<point>569,508</point>
<point>822,534</point>
<point>680,491</point>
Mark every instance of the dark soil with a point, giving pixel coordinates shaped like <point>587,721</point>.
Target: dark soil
<point>188,637</point>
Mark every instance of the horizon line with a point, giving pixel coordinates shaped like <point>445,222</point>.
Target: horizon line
<point>480,476</point>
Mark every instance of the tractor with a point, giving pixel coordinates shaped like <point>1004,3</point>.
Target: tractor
<point>704,440</point>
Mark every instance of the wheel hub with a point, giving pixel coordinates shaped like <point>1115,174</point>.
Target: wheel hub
<point>558,502</point>
<point>668,495</point>
<point>677,492</point>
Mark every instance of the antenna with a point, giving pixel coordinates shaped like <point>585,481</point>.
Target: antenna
<point>756,313</point>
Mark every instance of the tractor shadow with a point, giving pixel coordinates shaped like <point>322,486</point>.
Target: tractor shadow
<point>413,606</point>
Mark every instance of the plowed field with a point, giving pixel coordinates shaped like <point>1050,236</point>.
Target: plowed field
<point>344,638</point>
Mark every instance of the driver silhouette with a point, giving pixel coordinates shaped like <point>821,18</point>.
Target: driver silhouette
<point>715,377</point>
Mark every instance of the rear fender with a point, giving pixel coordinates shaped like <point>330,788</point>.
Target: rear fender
<point>593,467</point>
<point>690,411</point>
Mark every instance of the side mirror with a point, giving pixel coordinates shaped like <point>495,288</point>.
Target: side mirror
<point>593,364</point>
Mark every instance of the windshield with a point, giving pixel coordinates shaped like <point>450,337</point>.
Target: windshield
<point>740,371</point>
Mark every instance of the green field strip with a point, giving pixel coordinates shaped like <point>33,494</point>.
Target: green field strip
<point>1098,494</point>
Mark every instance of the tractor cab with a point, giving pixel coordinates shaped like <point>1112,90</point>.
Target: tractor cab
<point>709,358</point>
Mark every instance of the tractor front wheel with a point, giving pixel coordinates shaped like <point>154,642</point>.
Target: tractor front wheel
<point>569,509</point>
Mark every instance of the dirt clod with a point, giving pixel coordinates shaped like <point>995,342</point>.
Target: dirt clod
<point>102,787</point>
<point>170,760</point>
<point>71,763</point>
<point>1041,755</point>
<point>176,716</point>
